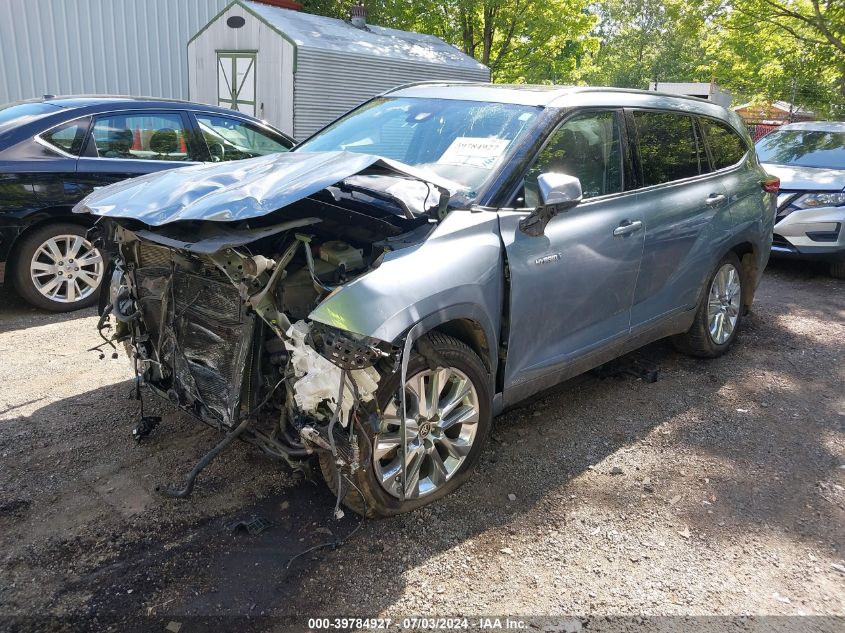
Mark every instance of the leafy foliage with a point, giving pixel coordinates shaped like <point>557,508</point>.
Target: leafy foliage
<point>777,49</point>
<point>762,50</point>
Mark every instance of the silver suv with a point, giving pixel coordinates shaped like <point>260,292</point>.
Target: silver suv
<point>809,160</point>
<point>369,301</point>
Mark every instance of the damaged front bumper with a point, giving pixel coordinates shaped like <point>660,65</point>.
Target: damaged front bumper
<point>207,332</point>
<point>216,314</point>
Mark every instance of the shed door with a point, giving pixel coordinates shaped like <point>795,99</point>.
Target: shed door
<point>236,81</point>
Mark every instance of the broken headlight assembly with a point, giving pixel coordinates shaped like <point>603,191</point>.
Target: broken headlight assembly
<point>820,199</point>
<point>345,349</point>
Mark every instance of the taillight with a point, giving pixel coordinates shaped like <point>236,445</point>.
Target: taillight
<point>771,184</point>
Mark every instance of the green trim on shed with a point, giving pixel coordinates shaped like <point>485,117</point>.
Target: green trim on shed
<point>257,17</point>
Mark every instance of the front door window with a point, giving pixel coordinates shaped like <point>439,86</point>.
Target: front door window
<point>236,81</point>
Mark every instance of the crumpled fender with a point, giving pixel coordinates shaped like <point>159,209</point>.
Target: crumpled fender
<point>457,273</point>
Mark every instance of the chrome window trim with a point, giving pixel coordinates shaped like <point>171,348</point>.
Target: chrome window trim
<point>37,138</point>
<point>140,112</point>
<point>587,201</point>
<point>45,143</point>
<point>145,160</point>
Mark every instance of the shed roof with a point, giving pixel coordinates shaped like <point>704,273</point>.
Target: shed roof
<point>316,31</point>
<point>781,106</point>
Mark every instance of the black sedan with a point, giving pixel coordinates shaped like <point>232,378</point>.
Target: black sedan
<point>56,150</point>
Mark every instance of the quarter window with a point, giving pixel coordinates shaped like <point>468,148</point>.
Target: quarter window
<point>668,147</point>
<point>230,139</point>
<point>587,146</point>
<point>726,146</point>
<point>68,137</point>
<point>141,136</point>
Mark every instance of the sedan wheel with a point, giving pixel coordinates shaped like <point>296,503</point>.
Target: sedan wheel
<point>66,269</point>
<point>58,268</point>
<point>441,424</point>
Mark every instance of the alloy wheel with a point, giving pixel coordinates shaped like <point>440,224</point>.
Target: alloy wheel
<point>723,303</point>
<point>442,410</point>
<point>66,268</point>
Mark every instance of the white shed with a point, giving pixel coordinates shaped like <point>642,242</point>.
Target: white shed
<point>300,71</point>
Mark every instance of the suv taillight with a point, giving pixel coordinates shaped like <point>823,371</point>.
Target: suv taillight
<point>771,184</point>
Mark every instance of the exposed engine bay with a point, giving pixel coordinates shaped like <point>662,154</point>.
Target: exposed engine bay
<point>214,316</point>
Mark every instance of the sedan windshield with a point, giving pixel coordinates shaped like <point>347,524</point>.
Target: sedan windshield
<point>459,140</point>
<point>803,148</point>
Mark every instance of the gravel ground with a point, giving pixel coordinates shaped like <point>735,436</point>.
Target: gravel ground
<point>717,490</point>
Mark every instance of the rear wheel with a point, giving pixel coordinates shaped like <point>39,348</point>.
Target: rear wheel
<point>719,313</point>
<point>448,419</point>
<point>57,268</point>
<point>837,270</point>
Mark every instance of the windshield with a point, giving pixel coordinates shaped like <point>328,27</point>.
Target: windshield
<point>803,148</point>
<point>459,140</point>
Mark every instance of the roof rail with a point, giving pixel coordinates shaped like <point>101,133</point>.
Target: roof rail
<point>427,82</point>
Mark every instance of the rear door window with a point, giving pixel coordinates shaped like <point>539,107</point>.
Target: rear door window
<point>142,136</point>
<point>668,147</point>
<point>68,137</point>
<point>726,146</point>
<point>230,139</point>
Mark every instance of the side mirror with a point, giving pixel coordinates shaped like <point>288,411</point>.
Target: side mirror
<point>558,192</point>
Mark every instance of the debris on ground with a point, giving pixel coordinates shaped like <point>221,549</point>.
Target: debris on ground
<point>253,525</point>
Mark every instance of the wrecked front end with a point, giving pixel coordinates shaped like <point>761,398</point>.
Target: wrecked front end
<point>215,314</point>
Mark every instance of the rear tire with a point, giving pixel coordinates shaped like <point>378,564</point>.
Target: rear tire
<point>56,268</point>
<point>719,313</point>
<point>435,437</point>
<point>837,270</point>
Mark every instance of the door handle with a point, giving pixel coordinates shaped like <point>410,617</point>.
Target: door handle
<point>714,199</point>
<point>627,227</point>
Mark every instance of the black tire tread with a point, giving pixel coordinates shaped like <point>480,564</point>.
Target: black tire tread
<point>353,497</point>
<point>696,341</point>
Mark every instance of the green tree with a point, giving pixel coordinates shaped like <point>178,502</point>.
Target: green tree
<point>765,50</point>
<point>649,40</point>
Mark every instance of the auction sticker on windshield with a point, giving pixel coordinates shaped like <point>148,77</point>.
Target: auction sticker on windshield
<point>474,152</point>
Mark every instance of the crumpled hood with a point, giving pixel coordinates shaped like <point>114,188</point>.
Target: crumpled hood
<point>807,178</point>
<point>239,190</point>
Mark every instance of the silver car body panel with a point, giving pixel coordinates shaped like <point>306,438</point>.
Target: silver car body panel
<point>456,273</point>
<point>807,178</point>
<point>246,189</point>
<point>797,224</point>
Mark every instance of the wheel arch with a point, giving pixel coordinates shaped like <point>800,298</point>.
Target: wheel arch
<point>34,222</point>
<point>750,262</point>
<point>467,323</point>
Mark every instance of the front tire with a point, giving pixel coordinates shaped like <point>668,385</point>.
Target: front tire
<point>837,270</point>
<point>719,312</point>
<point>449,415</point>
<point>57,268</point>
